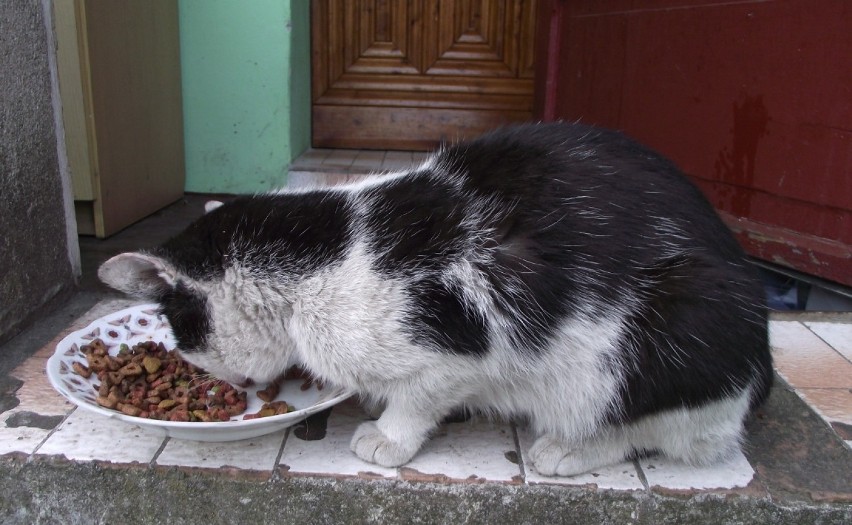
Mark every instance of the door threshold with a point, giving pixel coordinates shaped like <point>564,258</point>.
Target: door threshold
<point>355,161</point>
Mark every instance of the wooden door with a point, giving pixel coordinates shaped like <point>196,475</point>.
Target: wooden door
<point>409,74</point>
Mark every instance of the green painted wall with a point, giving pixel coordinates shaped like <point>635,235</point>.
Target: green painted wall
<point>246,92</point>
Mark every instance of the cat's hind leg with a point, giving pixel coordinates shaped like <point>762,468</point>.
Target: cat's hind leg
<point>702,435</point>
<point>553,456</point>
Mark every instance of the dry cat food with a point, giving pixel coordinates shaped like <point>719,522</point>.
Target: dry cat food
<point>273,408</point>
<point>148,381</point>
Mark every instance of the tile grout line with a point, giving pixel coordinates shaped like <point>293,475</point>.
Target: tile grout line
<point>153,462</point>
<point>50,434</point>
<point>808,328</point>
<point>641,475</point>
<point>517,441</point>
<point>275,476</point>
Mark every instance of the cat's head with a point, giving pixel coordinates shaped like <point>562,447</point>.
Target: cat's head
<point>220,317</point>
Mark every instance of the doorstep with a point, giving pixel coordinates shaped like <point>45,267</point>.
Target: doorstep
<point>796,464</point>
<point>329,167</point>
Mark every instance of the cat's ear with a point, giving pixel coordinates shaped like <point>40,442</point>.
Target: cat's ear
<point>138,274</point>
<point>211,205</point>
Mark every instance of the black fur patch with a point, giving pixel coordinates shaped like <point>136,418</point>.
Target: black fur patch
<point>186,311</point>
<point>416,228</point>
<point>440,320</point>
<point>691,342</point>
<point>416,225</point>
<point>290,233</point>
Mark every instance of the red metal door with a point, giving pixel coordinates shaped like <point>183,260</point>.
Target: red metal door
<point>752,99</point>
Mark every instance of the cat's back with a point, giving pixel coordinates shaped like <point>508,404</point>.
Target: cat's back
<point>573,184</point>
<point>536,162</point>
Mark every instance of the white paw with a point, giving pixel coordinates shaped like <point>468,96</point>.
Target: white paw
<point>553,457</point>
<point>370,444</point>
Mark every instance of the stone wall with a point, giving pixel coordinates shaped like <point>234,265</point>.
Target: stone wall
<point>39,257</point>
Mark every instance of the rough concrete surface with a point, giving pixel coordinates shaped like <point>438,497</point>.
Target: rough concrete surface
<point>34,261</point>
<point>53,492</point>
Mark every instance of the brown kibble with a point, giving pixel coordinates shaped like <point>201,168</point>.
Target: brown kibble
<point>113,395</point>
<point>166,404</point>
<point>151,364</point>
<point>235,410</point>
<point>129,409</point>
<point>106,402</point>
<point>274,408</point>
<point>269,393</point>
<point>130,369</point>
<point>202,415</point>
<point>266,412</point>
<point>179,415</point>
<point>96,362</point>
<point>280,407</point>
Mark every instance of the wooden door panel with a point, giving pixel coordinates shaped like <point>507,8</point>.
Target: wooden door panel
<point>409,74</point>
<point>409,125</point>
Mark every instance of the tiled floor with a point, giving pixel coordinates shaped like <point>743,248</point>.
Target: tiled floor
<point>469,452</point>
<point>813,356</point>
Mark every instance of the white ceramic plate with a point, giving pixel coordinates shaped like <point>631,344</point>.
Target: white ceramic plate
<point>141,323</point>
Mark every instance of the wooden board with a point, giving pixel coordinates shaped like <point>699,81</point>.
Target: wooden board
<point>134,59</point>
<point>119,74</point>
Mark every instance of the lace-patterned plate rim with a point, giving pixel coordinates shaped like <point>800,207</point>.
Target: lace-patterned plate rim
<point>143,323</point>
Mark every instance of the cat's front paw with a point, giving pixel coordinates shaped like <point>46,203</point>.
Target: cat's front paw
<point>370,444</point>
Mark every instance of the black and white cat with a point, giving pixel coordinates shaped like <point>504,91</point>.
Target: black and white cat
<point>558,273</point>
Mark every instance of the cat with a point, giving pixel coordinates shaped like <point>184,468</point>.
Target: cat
<point>556,273</point>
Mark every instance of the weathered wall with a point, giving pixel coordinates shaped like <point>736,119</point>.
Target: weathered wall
<point>38,252</point>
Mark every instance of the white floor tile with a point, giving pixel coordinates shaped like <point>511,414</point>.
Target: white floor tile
<point>85,436</point>
<point>474,450</point>
<point>331,455</point>
<point>257,454</point>
<point>666,473</point>
<point>805,360</point>
<point>22,439</point>
<point>622,476</point>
